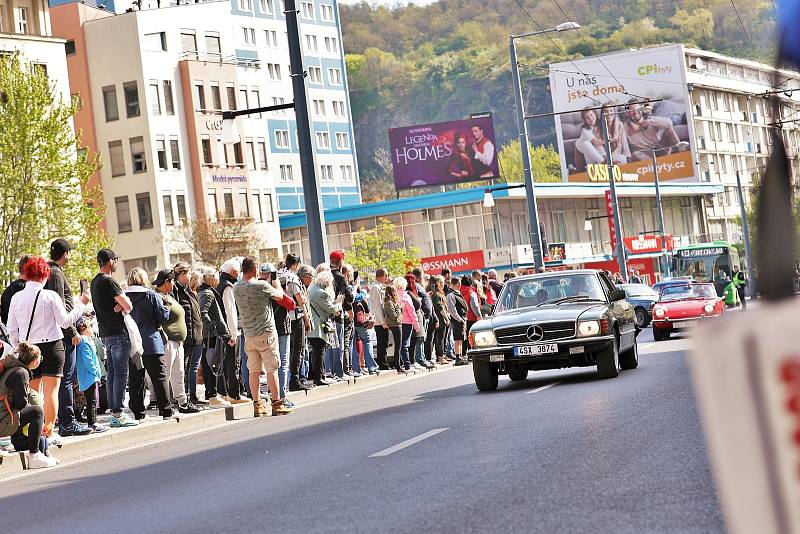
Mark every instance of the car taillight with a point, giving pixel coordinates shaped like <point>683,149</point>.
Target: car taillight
<point>604,329</point>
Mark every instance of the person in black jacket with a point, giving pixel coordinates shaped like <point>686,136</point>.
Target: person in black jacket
<point>193,345</point>
<point>13,288</point>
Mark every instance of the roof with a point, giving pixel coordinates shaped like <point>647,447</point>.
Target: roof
<point>475,194</point>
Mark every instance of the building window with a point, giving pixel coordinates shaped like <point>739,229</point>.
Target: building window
<point>319,107</point>
<point>213,47</point>
<point>137,154</point>
<point>255,101</point>
<point>227,199</point>
<point>189,45</point>
<point>342,141</point>
<point>244,208</point>
<point>116,158</point>
<point>180,201</point>
<point>155,42</point>
<point>282,138</point>
<point>69,47</point>
<point>256,207</point>
<point>237,154</point>
<point>231,90</point>
<point>155,98</point>
<point>307,10</point>
<point>205,143</point>
<point>332,45</point>
<point>311,43</point>
<point>315,74</point>
<point>286,173</point>
<point>326,12</point>
<point>131,99</point>
<point>243,99</point>
<point>270,215</point>
<point>271,38</point>
<point>175,153</point>
<point>199,97</point>
<point>252,164</point>
<point>249,36</point>
<point>110,103</point>
<point>326,173</point>
<point>267,6</point>
<point>123,214</point>
<point>213,209</point>
<point>216,98</point>
<point>274,71</point>
<point>323,140</point>
<point>347,173</point>
<point>334,76</point>
<point>161,153</point>
<point>22,20</point>
<point>169,104</point>
<point>246,5</point>
<point>169,218</point>
<point>279,100</point>
<point>339,109</point>
<point>262,155</point>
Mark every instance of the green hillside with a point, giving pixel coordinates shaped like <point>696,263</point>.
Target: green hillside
<point>415,64</point>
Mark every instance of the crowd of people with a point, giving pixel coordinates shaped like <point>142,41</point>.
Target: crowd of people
<point>68,357</point>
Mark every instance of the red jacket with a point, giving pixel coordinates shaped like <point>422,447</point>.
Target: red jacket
<point>467,292</point>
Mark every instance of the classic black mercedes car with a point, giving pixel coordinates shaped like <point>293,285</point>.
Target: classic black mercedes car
<point>555,320</point>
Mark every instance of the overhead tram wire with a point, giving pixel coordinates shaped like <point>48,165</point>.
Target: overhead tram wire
<point>563,53</point>
<point>598,58</point>
<point>735,10</point>
<point>601,75</point>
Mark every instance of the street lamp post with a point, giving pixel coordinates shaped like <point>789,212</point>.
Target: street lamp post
<point>620,252</point>
<point>746,236</point>
<point>533,216</point>
<point>660,209</point>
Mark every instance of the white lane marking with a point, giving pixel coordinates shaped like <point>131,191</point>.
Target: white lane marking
<point>647,345</point>
<point>408,442</point>
<point>542,388</point>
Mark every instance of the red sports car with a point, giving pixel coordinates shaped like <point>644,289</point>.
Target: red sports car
<point>683,306</point>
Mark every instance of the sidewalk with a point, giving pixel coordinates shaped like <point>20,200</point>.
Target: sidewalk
<point>154,428</point>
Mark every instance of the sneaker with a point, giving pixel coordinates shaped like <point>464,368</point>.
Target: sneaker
<point>278,408</point>
<point>429,364</point>
<point>54,440</point>
<point>97,428</point>
<point>152,406</point>
<point>288,403</point>
<point>357,375</point>
<point>122,420</point>
<point>198,402</point>
<point>74,429</point>
<point>219,402</point>
<point>460,362</point>
<point>237,401</point>
<point>167,414</point>
<point>260,409</point>
<point>301,386</point>
<point>40,461</point>
<point>188,408</point>
<point>375,371</point>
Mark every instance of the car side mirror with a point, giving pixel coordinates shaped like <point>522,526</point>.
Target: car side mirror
<point>616,294</point>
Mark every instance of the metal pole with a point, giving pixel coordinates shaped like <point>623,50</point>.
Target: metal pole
<point>620,252</point>
<point>533,216</point>
<point>660,209</point>
<point>315,217</point>
<point>751,280</point>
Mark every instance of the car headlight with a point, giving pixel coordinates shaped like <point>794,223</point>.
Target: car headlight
<point>658,312</point>
<point>484,339</point>
<point>588,328</point>
<point>709,308</point>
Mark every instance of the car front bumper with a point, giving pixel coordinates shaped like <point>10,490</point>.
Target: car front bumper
<point>682,323</point>
<point>568,349</point>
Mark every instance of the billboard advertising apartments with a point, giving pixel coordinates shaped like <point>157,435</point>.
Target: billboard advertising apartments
<point>649,90</point>
<point>444,153</point>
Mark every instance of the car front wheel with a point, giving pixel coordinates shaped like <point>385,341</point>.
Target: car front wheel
<point>485,375</point>
<point>642,319</point>
<point>517,374</point>
<point>608,361</point>
<point>660,334</point>
<point>630,358</point>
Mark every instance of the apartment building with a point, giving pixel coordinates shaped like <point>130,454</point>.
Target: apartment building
<point>158,80</point>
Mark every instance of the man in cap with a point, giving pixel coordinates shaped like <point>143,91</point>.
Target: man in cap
<point>110,302</point>
<point>339,283</point>
<point>296,290</point>
<point>68,425</point>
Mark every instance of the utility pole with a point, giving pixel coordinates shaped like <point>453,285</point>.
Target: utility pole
<point>660,209</point>
<point>620,252</point>
<point>315,217</point>
<point>751,280</point>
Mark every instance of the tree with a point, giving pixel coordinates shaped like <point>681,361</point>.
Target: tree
<point>214,241</point>
<point>545,163</point>
<point>384,247</point>
<point>377,184</point>
<point>44,174</point>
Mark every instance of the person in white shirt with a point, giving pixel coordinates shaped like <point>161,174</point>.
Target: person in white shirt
<point>376,298</point>
<point>36,316</point>
<point>483,151</point>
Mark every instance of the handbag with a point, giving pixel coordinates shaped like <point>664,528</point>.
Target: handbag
<point>137,348</point>
<point>216,354</point>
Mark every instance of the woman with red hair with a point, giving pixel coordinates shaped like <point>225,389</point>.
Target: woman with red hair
<point>36,316</point>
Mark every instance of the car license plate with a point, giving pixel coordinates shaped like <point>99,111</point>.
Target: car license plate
<point>534,350</point>
<point>685,324</point>
<point>493,358</point>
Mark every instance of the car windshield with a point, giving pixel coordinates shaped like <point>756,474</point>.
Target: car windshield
<point>688,291</point>
<point>543,289</point>
<point>639,290</point>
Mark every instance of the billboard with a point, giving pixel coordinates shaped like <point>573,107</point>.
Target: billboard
<point>444,153</point>
<point>649,88</point>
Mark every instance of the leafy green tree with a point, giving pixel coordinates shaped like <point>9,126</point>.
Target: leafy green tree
<point>43,175</point>
<point>383,246</point>
<point>545,163</point>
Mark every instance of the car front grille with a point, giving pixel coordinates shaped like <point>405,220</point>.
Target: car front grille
<point>553,331</point>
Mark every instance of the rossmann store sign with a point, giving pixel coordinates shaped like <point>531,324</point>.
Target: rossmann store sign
<point>457,263</point>
<point>648,244</point>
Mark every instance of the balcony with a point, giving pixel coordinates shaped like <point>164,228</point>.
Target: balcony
<point>219,58</point>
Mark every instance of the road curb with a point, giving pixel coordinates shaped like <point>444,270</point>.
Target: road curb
<point>116,439</point>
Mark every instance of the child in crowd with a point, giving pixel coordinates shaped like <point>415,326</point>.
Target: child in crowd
<point>88,372</point>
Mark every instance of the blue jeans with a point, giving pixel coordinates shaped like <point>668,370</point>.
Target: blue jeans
<point>450,343</point>
<point>363,334</point>
<point>304,363</point>
<point>408,331</point>
<point>333,357</point>
<point>283,372</point>
<point>118,352</point>
<point>190,377</point>
<point>245,373</point>
<point>66,397</point>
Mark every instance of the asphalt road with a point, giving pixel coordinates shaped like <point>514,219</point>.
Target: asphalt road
<point>580,455</point>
